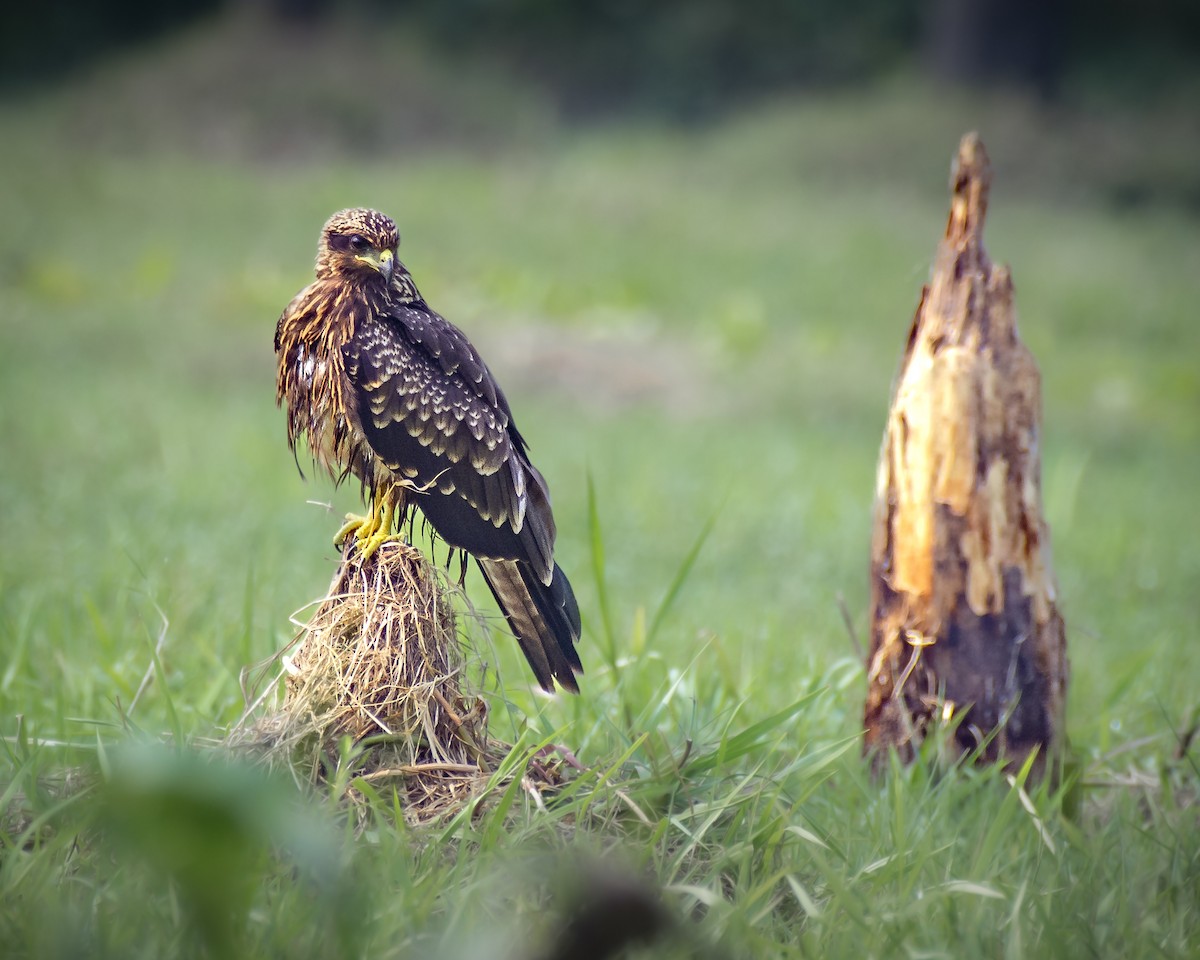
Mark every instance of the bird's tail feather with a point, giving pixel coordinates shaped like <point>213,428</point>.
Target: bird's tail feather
<point>545,619</point>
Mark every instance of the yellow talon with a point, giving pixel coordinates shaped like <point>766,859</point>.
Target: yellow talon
<point>353,524</point>
<point>371,531</point>
<point>376,538</point>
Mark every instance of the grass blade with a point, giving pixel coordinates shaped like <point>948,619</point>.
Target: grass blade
<point>681,576</point>
<point>740,744</point>
<point>596,538</point>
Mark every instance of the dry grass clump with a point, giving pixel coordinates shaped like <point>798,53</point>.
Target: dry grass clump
<point>380,662</point>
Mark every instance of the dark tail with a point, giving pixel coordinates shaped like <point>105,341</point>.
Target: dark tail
<point>544,618</point>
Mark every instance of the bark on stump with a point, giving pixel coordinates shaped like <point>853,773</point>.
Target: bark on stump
<point>964,622</point>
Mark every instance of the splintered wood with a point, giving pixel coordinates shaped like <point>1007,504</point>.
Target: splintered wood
<point>965,630</point>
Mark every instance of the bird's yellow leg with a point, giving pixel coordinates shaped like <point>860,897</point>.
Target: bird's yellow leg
<point>356,524</point>
<point>369,542</point>
<point>373,530</point>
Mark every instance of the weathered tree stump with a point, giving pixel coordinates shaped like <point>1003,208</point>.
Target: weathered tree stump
<point>965,629</point>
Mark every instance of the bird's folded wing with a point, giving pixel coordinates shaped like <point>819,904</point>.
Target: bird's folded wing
<point>432,422</point>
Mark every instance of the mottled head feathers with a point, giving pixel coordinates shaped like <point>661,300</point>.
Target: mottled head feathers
<point>357,242</point>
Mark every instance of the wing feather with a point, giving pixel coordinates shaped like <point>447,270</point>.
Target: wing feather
<point>431,411</point>
<point>544,619</point>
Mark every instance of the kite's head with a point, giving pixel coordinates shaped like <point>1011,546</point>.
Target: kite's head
<point>358,244</point>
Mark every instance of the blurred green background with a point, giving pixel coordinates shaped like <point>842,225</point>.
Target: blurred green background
<point>689,241</point>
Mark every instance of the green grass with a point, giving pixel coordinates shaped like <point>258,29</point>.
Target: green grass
<point>702,325</point>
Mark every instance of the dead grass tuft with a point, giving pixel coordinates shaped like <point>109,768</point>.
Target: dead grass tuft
<point>379,662</point>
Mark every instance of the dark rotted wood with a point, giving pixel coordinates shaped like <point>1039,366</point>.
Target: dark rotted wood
<point>965,625</point>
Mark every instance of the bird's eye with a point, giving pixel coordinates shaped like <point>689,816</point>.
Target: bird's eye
<point>358,244</point>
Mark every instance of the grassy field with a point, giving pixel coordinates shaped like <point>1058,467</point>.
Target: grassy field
<point>702,323</point>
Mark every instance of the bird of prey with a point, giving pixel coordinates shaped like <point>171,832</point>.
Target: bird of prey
<point>384,389</point>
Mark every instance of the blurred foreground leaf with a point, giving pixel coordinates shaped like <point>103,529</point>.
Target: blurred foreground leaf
<point>215,830</point>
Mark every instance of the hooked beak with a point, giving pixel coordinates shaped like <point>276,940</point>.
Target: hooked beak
<point>387,263</point>
<point>384,262</point>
